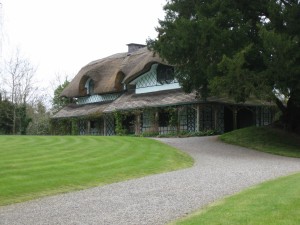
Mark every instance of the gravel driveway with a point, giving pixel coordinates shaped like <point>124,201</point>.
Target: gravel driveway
<point>220,170</point>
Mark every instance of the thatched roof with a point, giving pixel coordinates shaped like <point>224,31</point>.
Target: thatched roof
<point>109,73</point>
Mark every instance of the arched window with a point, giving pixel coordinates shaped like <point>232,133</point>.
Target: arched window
<point>89,85</point>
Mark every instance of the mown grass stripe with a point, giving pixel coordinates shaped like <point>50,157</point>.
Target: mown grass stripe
<point>34,166</point>
<point>275,202</point>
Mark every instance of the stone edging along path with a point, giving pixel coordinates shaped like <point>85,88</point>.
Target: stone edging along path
<point>220,170</point>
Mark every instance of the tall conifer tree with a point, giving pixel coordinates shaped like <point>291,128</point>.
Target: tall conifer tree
<point>235,47</point>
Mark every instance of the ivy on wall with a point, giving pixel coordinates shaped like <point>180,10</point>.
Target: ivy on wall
<point>75,126</point>
<point>153,118</point>
<point>173,113</point>
<point>61,126</point>
<point>70,126</point>
<point>119,123</point>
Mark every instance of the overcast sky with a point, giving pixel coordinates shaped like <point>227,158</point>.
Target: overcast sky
<point>61,36</point>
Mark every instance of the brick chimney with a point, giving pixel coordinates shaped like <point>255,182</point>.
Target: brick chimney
<point>132,47</point>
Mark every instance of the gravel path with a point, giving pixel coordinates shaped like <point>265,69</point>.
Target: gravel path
<point>220,170</point>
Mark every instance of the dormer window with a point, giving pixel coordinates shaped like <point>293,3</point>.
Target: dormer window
<point>89,85</point>
<point>158,78</point>
<point>165,74</point>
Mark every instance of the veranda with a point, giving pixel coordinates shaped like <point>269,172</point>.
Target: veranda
<point>218,117</point>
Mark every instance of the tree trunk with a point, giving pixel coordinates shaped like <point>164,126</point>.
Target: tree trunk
<point>14,119</point>
<point>291,112</point>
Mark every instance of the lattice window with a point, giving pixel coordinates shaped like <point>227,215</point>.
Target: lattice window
<point>264,116</point>
<point>82,125</point>
<point>191,119</point>
<point>207,118</point>
<point>100,123</point>
<point>109,125</point>
<point>151,78</point>
<point>183,119</point>
<point>148,79</point>
<point>220,119</point>
<point>97,98</point>
<point>147,118</point>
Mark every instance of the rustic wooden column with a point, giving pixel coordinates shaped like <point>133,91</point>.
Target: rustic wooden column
<point>156,125</point>
<point>234,113</point>
<point>215,117</point>
<point>104,125</point>
<point>137,124</point>
<point>178,121</point>
<point>89,127</point>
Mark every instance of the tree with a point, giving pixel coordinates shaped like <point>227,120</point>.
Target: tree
<point>59,102</point>
<point>6,110</point>
<point>18,82</point>
<point>40,123</point>
<point>235,48</point>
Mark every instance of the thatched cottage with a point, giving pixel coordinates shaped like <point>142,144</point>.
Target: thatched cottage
<point>136,92</point>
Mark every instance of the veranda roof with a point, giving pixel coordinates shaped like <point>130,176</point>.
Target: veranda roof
<point>74,110</point>
<point>131,101</point>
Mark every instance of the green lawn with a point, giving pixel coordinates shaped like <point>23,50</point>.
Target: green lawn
<point>35,166</point>
<point>275,202</point>
<point>265,139</point>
